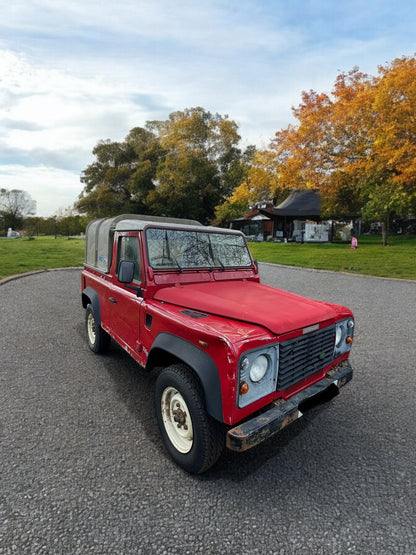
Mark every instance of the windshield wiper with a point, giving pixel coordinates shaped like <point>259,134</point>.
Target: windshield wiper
<point>169,255</point>
<point>177,264</point>
<point>221,264</point>
<point>213,258</point>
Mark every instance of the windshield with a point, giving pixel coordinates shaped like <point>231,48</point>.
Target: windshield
<point>185,249</point>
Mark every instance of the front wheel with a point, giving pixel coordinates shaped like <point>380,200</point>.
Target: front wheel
<point>193,439</point>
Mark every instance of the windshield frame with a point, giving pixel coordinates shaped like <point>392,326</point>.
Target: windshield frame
<point>211,248</point>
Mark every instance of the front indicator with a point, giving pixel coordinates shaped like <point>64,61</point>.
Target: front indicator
<point>243,388</point>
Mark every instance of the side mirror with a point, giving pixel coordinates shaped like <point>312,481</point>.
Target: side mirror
<point>126,271</point>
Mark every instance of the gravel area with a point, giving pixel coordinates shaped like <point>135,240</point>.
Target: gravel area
<point>83,468</point>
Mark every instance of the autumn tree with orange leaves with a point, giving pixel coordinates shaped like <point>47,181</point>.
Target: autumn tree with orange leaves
<point>357,147</point>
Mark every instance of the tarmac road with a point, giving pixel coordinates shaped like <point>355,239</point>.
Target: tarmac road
<point>83,469</point>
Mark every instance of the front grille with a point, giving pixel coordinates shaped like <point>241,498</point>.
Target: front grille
<point>305,355</point>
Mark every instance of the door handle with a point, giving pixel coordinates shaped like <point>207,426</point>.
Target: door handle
<point>113,300</point>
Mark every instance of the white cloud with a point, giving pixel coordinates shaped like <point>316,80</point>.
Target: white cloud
<point>51,188</point>
<point>75,72</point>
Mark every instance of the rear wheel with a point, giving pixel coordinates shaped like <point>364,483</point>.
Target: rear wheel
<point>98,339</point>
<point>193,439</point>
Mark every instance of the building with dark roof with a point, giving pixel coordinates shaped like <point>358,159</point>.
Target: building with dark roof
<point>297,218</point>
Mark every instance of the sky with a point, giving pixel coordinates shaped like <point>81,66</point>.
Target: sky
<point>75,72</point>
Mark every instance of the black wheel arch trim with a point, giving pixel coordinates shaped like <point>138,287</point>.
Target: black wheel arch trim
<point>91,294</point>
<point>200,362</point>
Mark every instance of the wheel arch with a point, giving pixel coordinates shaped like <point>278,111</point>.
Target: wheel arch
<point>90,296</point>
<point>168,349</point>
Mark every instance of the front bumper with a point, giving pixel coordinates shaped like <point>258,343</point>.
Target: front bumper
<point>254,431</point>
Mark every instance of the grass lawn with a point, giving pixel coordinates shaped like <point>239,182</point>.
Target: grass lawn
<point>397,260</point>
<point>23,255</point>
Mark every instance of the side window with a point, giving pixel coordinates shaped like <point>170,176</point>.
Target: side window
<point>128,249</point>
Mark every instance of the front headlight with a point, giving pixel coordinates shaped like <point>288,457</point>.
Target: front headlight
<point>344,334</point>
<point>338,336</point>
<point>257,374</point>
<point>259,368</point>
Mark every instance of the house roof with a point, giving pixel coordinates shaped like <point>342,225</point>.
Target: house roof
<point>299,203</point>
<point>253,216</point>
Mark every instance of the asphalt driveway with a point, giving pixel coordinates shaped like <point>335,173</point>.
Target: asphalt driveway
<point>83,469</point>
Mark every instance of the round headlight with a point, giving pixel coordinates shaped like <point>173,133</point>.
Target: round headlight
<point>338,336</point>
<point>259,368</point>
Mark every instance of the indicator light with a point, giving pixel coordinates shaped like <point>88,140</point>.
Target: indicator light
<point>243,388</point>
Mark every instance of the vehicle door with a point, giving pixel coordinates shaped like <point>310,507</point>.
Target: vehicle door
<point>125,302</point>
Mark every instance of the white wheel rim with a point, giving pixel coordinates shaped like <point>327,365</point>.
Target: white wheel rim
<point>91,328</point>
<point>177,420</point>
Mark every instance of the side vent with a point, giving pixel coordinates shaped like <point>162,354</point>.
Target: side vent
<point>194,314</point>
<point>149,319</point>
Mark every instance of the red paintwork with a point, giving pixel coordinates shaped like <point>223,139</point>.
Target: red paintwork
<point>274,309</point>
<point>241,313</point>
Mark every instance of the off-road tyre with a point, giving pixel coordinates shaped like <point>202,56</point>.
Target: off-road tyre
<point>192,437</point>
<point>98,340</point>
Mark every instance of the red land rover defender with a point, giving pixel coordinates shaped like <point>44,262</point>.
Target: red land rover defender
<point>239,360</point>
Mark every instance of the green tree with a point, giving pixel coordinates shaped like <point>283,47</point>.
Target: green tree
<point>15,204</point>
<point>120,178</point>
<point>202,163</point>
<point>384,198</point>
<point>184,167</point>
